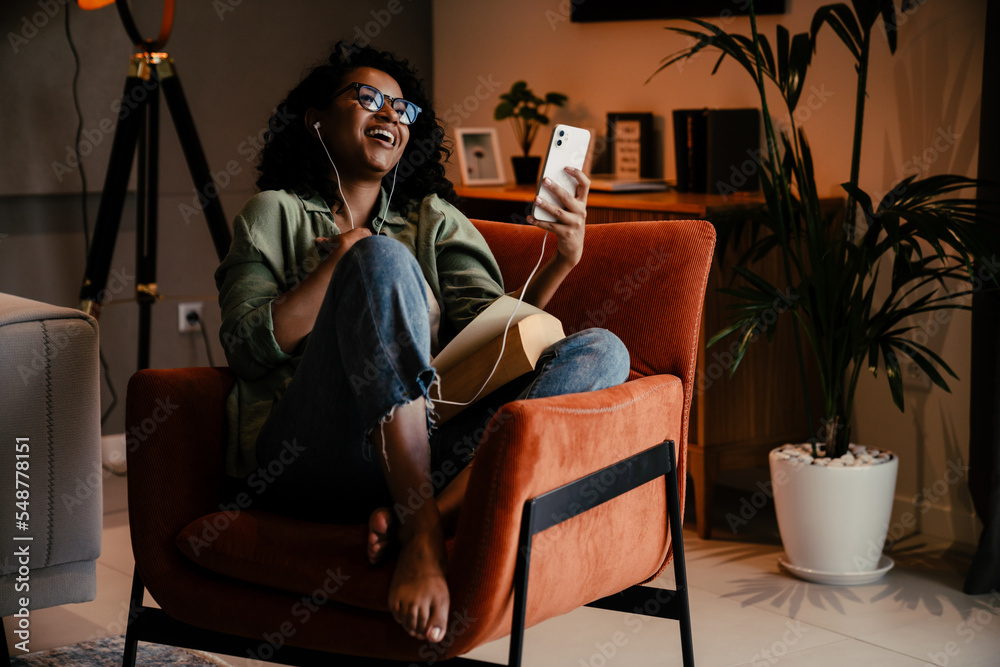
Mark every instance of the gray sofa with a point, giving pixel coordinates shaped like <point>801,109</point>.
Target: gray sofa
<point>50,429</point>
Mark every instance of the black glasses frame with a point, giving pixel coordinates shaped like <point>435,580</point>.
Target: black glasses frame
<point>407,114</point>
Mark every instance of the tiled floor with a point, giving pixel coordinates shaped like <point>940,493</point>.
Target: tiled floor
<point>745,611</point>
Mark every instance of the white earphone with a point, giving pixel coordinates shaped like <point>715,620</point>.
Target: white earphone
<point>503,345</point>
<point>322,143</point>
<point>316,126</point>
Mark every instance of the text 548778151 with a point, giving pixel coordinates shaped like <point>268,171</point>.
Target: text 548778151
<point>22,541</point>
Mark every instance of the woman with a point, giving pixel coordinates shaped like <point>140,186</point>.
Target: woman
<point>345,272</point>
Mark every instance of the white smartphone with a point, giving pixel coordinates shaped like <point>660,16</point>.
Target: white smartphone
<point>567,148</point>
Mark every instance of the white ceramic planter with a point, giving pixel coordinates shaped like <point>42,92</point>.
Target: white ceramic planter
<point>833,520</point>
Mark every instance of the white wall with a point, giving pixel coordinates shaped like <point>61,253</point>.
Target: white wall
<point>928,92</point>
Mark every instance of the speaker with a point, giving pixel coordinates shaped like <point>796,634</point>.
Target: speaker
<point>717,150</point>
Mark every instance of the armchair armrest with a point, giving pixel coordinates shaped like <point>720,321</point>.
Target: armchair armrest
<point>532,447</point>
<point>176,431</point>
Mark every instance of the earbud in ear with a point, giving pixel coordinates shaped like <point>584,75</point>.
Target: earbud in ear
<point>316,125</point>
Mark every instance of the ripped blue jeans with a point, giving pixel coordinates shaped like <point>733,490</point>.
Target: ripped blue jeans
<point>370,351</point>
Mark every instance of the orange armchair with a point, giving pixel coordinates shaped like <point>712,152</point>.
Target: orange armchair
<point>560,484</point>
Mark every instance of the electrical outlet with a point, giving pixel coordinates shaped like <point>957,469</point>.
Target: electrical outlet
<point>185,309</point>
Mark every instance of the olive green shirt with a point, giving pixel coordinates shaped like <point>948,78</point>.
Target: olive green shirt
<point>274,248</point>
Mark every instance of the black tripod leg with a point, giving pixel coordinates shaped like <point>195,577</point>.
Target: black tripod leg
<point>146,228</point>
<point>109,214</point>
<point>208,191</point>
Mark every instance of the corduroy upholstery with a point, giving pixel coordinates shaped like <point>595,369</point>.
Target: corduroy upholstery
<point>643,281</point>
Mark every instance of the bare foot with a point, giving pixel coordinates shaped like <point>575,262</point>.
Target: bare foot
<point>381,534</point>
<point>418,595</point>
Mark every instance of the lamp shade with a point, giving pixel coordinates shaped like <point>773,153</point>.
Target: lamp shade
<point>147,45</point>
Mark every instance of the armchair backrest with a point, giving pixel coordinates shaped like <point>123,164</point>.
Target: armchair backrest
<point>643,281</point>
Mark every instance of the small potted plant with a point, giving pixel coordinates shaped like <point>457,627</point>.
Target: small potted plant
<point>526,113</point>
<point>923,236</point>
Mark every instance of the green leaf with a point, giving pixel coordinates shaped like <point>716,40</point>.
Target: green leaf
<point>557,99</point>
<point>889,22</point>
<point>503,110</point>
<point>908,348</point>
<point>782,53</point>
<point>799,59</point>
<point>895,376</point>
<point>844,24</point>
<point>724,333</point>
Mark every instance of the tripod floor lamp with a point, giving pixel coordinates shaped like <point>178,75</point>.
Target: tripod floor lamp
<point>150,71</point>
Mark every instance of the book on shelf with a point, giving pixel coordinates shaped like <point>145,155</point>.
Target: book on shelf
<point>611,184</point>
<point>467,361</point>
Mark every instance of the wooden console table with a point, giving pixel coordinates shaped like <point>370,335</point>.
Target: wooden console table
<point>735,421</point>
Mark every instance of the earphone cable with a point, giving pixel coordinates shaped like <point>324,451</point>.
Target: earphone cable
<point>322,143</point>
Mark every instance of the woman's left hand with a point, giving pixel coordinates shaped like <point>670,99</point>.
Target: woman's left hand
<point>571,217</point>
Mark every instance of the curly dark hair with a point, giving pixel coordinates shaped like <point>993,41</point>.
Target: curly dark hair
<point>293,160</point>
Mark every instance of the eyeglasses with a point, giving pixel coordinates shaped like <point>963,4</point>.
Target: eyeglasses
<point>372,99</point>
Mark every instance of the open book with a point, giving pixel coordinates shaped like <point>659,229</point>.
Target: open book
<point>466,362</point>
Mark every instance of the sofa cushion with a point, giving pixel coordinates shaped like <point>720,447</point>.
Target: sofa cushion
<point>314,559</point>
<point>50,427</point>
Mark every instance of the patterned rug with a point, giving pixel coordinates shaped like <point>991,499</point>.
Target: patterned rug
<point>108,653</point>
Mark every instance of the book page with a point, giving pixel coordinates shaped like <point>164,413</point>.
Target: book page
<point>488,325</point>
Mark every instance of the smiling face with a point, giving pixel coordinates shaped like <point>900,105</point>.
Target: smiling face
<point>363,144</point>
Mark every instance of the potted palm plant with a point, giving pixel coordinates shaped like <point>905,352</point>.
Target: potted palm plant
<point>527,112</point>
<point>852,290</point>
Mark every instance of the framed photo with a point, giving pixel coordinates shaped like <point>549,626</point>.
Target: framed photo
<point>479,156</point>
<point>630,145</point>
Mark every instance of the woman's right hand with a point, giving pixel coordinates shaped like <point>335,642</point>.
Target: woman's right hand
<point>294,313</point>
<point>334,247</point>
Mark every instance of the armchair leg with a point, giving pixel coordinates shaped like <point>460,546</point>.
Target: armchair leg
<point>680,567</point>
<point>577,497</point>
<point>134,607</point>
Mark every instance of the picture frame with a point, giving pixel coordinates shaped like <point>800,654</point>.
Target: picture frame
<point>479,156</point>
<point>630,145</point>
